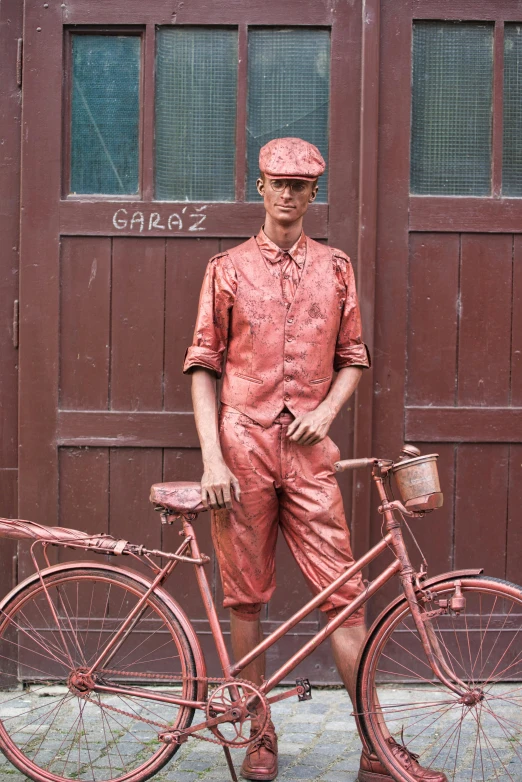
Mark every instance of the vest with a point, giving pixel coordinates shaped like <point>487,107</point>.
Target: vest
<point>281,356</point>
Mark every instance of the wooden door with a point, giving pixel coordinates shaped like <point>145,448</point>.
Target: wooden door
<point>449,271</point>
<point>121,212</point>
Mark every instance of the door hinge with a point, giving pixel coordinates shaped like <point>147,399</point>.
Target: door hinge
<point>14,570</point>
<point>19,54</point>
<point>16,321</point>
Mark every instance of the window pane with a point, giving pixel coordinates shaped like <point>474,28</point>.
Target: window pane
<point>451,108</point>
<point>105,114</point>
<point>512,160</point>
<point>288,93</point>
<point>196,83</point>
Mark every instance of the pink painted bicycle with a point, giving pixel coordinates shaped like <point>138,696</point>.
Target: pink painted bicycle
<point>108,674</point>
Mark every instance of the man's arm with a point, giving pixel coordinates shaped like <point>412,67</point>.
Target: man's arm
<point>312,427</point>
<point>217,479</point>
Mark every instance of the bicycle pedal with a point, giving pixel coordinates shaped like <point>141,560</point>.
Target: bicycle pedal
<point>304,689</point>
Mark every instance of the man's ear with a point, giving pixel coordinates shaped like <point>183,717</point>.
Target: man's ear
<point>260,186</point>
<point>313,194</point>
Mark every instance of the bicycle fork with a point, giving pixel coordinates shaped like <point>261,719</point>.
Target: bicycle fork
<point>420,616</point>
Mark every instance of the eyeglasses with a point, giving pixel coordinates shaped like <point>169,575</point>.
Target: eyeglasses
<point>295,185</point>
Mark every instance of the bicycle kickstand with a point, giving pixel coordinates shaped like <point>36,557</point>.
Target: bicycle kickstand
<point>231,768</point>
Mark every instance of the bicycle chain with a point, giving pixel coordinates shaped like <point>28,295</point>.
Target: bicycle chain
<point>212,680</point>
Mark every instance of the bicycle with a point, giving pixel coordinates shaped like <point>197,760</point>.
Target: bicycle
<point>114,647</point>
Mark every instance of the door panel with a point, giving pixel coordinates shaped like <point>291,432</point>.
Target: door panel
<point>110,281</point>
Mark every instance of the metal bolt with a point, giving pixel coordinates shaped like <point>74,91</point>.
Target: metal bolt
<point>38,29</point>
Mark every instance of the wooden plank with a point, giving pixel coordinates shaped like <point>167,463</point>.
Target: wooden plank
<point>481,507</point>
<point>432,319</point>
<point>472,10</point>
<point>131,515</point>
<point>366,251</point>
<point>270,12</point>
<point>138,429</point>
<point>514,528</point>
<point>39,261</point>
<point>138,306</point>
<point>186,263</point>
<point>516,326</point>
<point>392,250</point>
<point>11,13</point>
<point>466,215</point>
<point>241,112</point>
<point>8,568</point>
<point>107,217</point>
<point>84,494</point>
<point>85,287</point>
<point>485,320</point>
<point>147,86</point>
<point>464,424</point>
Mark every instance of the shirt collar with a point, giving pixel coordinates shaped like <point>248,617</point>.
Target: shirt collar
<point>273,253</point>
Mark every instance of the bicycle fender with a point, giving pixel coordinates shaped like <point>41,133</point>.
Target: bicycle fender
<point>179,613</point>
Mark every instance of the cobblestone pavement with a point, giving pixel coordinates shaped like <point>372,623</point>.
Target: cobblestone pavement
<point>317,741</point>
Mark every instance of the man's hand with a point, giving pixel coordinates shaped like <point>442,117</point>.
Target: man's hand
<point>311,428</point>
<point>216,485</point>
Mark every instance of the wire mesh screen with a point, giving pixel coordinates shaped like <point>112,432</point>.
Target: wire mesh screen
<point>105,106</point>
<point>451,108</point>
<point>288,93</point>
<point>196,84</point>
<point>512,157</point>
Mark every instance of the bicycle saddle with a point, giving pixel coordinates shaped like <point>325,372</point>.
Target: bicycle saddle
<point>179,496</point>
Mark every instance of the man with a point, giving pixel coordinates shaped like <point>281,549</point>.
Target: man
<point>285,309</point>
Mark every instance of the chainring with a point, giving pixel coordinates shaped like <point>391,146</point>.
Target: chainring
<point>249,702</point>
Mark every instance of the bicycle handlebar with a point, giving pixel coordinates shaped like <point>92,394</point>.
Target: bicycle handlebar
<point>353,464</point>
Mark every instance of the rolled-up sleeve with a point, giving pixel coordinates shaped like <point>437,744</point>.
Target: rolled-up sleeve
<point>350,350</point>
<point>217,297</point>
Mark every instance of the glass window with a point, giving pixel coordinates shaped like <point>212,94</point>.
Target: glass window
<point>105,114</point>
<point>512,159</point>
<point>196,85</point>
<point>288,93</point>
<point>451,108</point>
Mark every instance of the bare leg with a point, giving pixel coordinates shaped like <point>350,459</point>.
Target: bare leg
<point>245,636</point>
<point>346,645</point>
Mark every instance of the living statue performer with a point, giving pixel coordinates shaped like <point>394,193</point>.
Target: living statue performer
<point>284,309</point>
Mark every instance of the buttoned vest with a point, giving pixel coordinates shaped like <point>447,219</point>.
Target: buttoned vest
<point>281,355</point>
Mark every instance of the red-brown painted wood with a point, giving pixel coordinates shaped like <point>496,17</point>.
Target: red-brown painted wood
<point>432,319</point>
<point>464,424</point>
<point>469,215</point>
<point>85,289</point>
<point>514,528</point>
<point>137,324</point>
<point>485,320</point>
<point>516,326</point>
<point>481,507</point>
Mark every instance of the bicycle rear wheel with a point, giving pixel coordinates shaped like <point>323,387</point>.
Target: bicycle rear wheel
<point>477,737</point>
<point>54,727</point>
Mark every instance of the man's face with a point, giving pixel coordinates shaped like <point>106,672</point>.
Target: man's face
<point>286,200</point>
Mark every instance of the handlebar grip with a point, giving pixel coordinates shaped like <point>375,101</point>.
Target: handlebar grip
<point>353,464</point>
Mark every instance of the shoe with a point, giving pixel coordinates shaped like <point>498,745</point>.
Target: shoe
<point>372,770</point>
<point>260,762</point>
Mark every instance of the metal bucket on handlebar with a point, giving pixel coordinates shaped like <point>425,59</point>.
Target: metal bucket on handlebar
<point>418,481</point>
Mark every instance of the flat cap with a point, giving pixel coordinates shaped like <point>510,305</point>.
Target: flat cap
<point>291,158</point>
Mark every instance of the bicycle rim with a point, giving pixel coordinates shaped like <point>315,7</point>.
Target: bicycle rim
<point>477,737</point>
<point>53,728</point>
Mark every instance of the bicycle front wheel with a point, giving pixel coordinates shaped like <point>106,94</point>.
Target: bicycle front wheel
<point>475,737</point>
<point>55,726</point>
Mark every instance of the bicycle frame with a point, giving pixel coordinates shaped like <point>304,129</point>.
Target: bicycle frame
<point>401,565</point>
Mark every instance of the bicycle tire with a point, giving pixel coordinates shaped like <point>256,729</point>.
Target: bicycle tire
<point>65,735</point>
<point>480,738</point>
